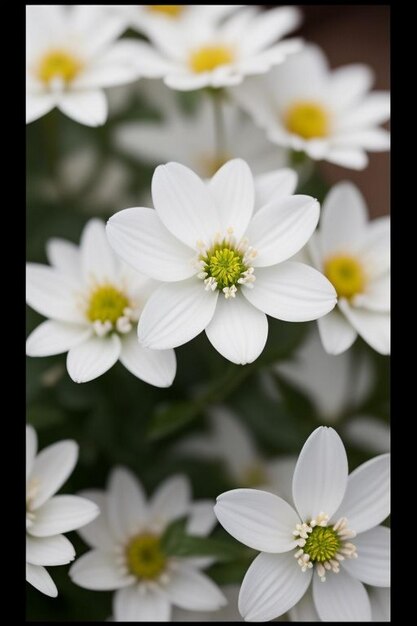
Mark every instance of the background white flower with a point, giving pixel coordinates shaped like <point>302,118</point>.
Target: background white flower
<point>191,138</point>
<point>47,515</point>
<point>93,302</point>
<point>203,53</point>
<point>232,443</point>
<point>332,539</point>
<point>71,55</point>
<point>221,248</point>
<point>354,254</point>
<point>329,115</point>
<point>128,555</point>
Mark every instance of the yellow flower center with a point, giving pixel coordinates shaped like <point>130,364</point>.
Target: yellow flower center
<point>59,64</point>
<point>322,544</point>
<point>145,557</point>
<point>170,10</point>
<point>207,58</point>
<point>106,304</point>
<point>307,119</point>
<point>346,275</point>
<point>210,164</point>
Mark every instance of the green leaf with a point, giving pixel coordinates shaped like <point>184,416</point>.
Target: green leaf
<point>173,535</point>
<point>43,416</point>
<point>204,546</point>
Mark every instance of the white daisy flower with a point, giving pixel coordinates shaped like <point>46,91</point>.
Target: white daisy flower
<point>144,16</point>
<point>232,443</point>
<point>203,53</point>
<point>331,539</point>
<point>354,254</point>
<point>94,303</point>
<point>48,515</point>
<point>71,54</point>
<point>191,138</point>
<point>224,265</point>
<point>329,115</point>
<point>128,555</point>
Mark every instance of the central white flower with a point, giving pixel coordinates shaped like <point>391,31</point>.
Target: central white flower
<point>231,237</point>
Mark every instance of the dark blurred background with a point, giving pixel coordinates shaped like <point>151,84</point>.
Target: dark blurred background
<point>356,34</point>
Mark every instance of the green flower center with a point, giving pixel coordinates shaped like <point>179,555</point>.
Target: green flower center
<point>107,303</point>
<point>225,265</point>
<point>322,544</point>
<point>145,557</point>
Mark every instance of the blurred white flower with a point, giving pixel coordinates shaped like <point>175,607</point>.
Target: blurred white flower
<point>144,16</point>
<point>94,303</point>
<point>228,613</point>
<point>47,515</point>
<point>71,55</point>
<point>332,512</point>
<point>191,138</point>
<point>232,443</point>
<point>202,53</point>
<point>224,266</point>
<point>368,433</point>
<point>354,254</point>
<point>328,114</point>
<point>128,555</point>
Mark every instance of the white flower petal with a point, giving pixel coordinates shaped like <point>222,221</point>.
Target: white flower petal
<point>341,598</point>
<point>272,585</point>
<point>343,218</point>
<point>238,330</point>
<point>380,598</point>
<point>53,337</point>
<point>139,238</point>
<point>156,367</point>
<point>61,514</point>
<point>51,469</point>
<point>184,204</point>
<point>38,105</point>
<point>292,292</point>
<point>31,448</point>
<point>371,139</point>
<point>375,247</point>
<point>87,107</point>
<point>93,358</point>
<point>133,604</point>
<point>116,66</point>
<point>258,519</point>
<point>336,334</point>
<point>269,26</point>
<point>65,256</point>
<point>190,589</point>
<point>373,563</point>
<point>202,519</point>
<point>233,190</point>
<point>355,159</point>
<point>274,185</point>
<point>229,613</point>
<point>348,84</point>
<point>176,313</point>
<point>99,571</point>
<point>97,533</point>
<point>367,500</point>
<point>321,473</point>
<point>39,578</point>
<point>126,503</point>
<point>373,110</point>
<point>97,258</point>
<point>304,610</point>
<point>368,433</point>
<point>377,296</point>
<point>282,228</point>
<point>56,550</point>
<point>52,293</point>
<point>373,326</point>
<point>279,474</point>
<point>170,501</point>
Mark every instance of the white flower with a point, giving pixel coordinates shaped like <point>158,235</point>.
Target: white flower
<point>229,613</point>
<point>329,115</point>
<point>203,53</point>
<point>331,539</point>
<point>232,443</point>
<point>47,515</point>
<point>93,302</point>
<point>190,138</point>
<point>354,254</point>
<point>223,264</point>
<point>71,54</point>
<point>144,16</point>
<point>128,556</point>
